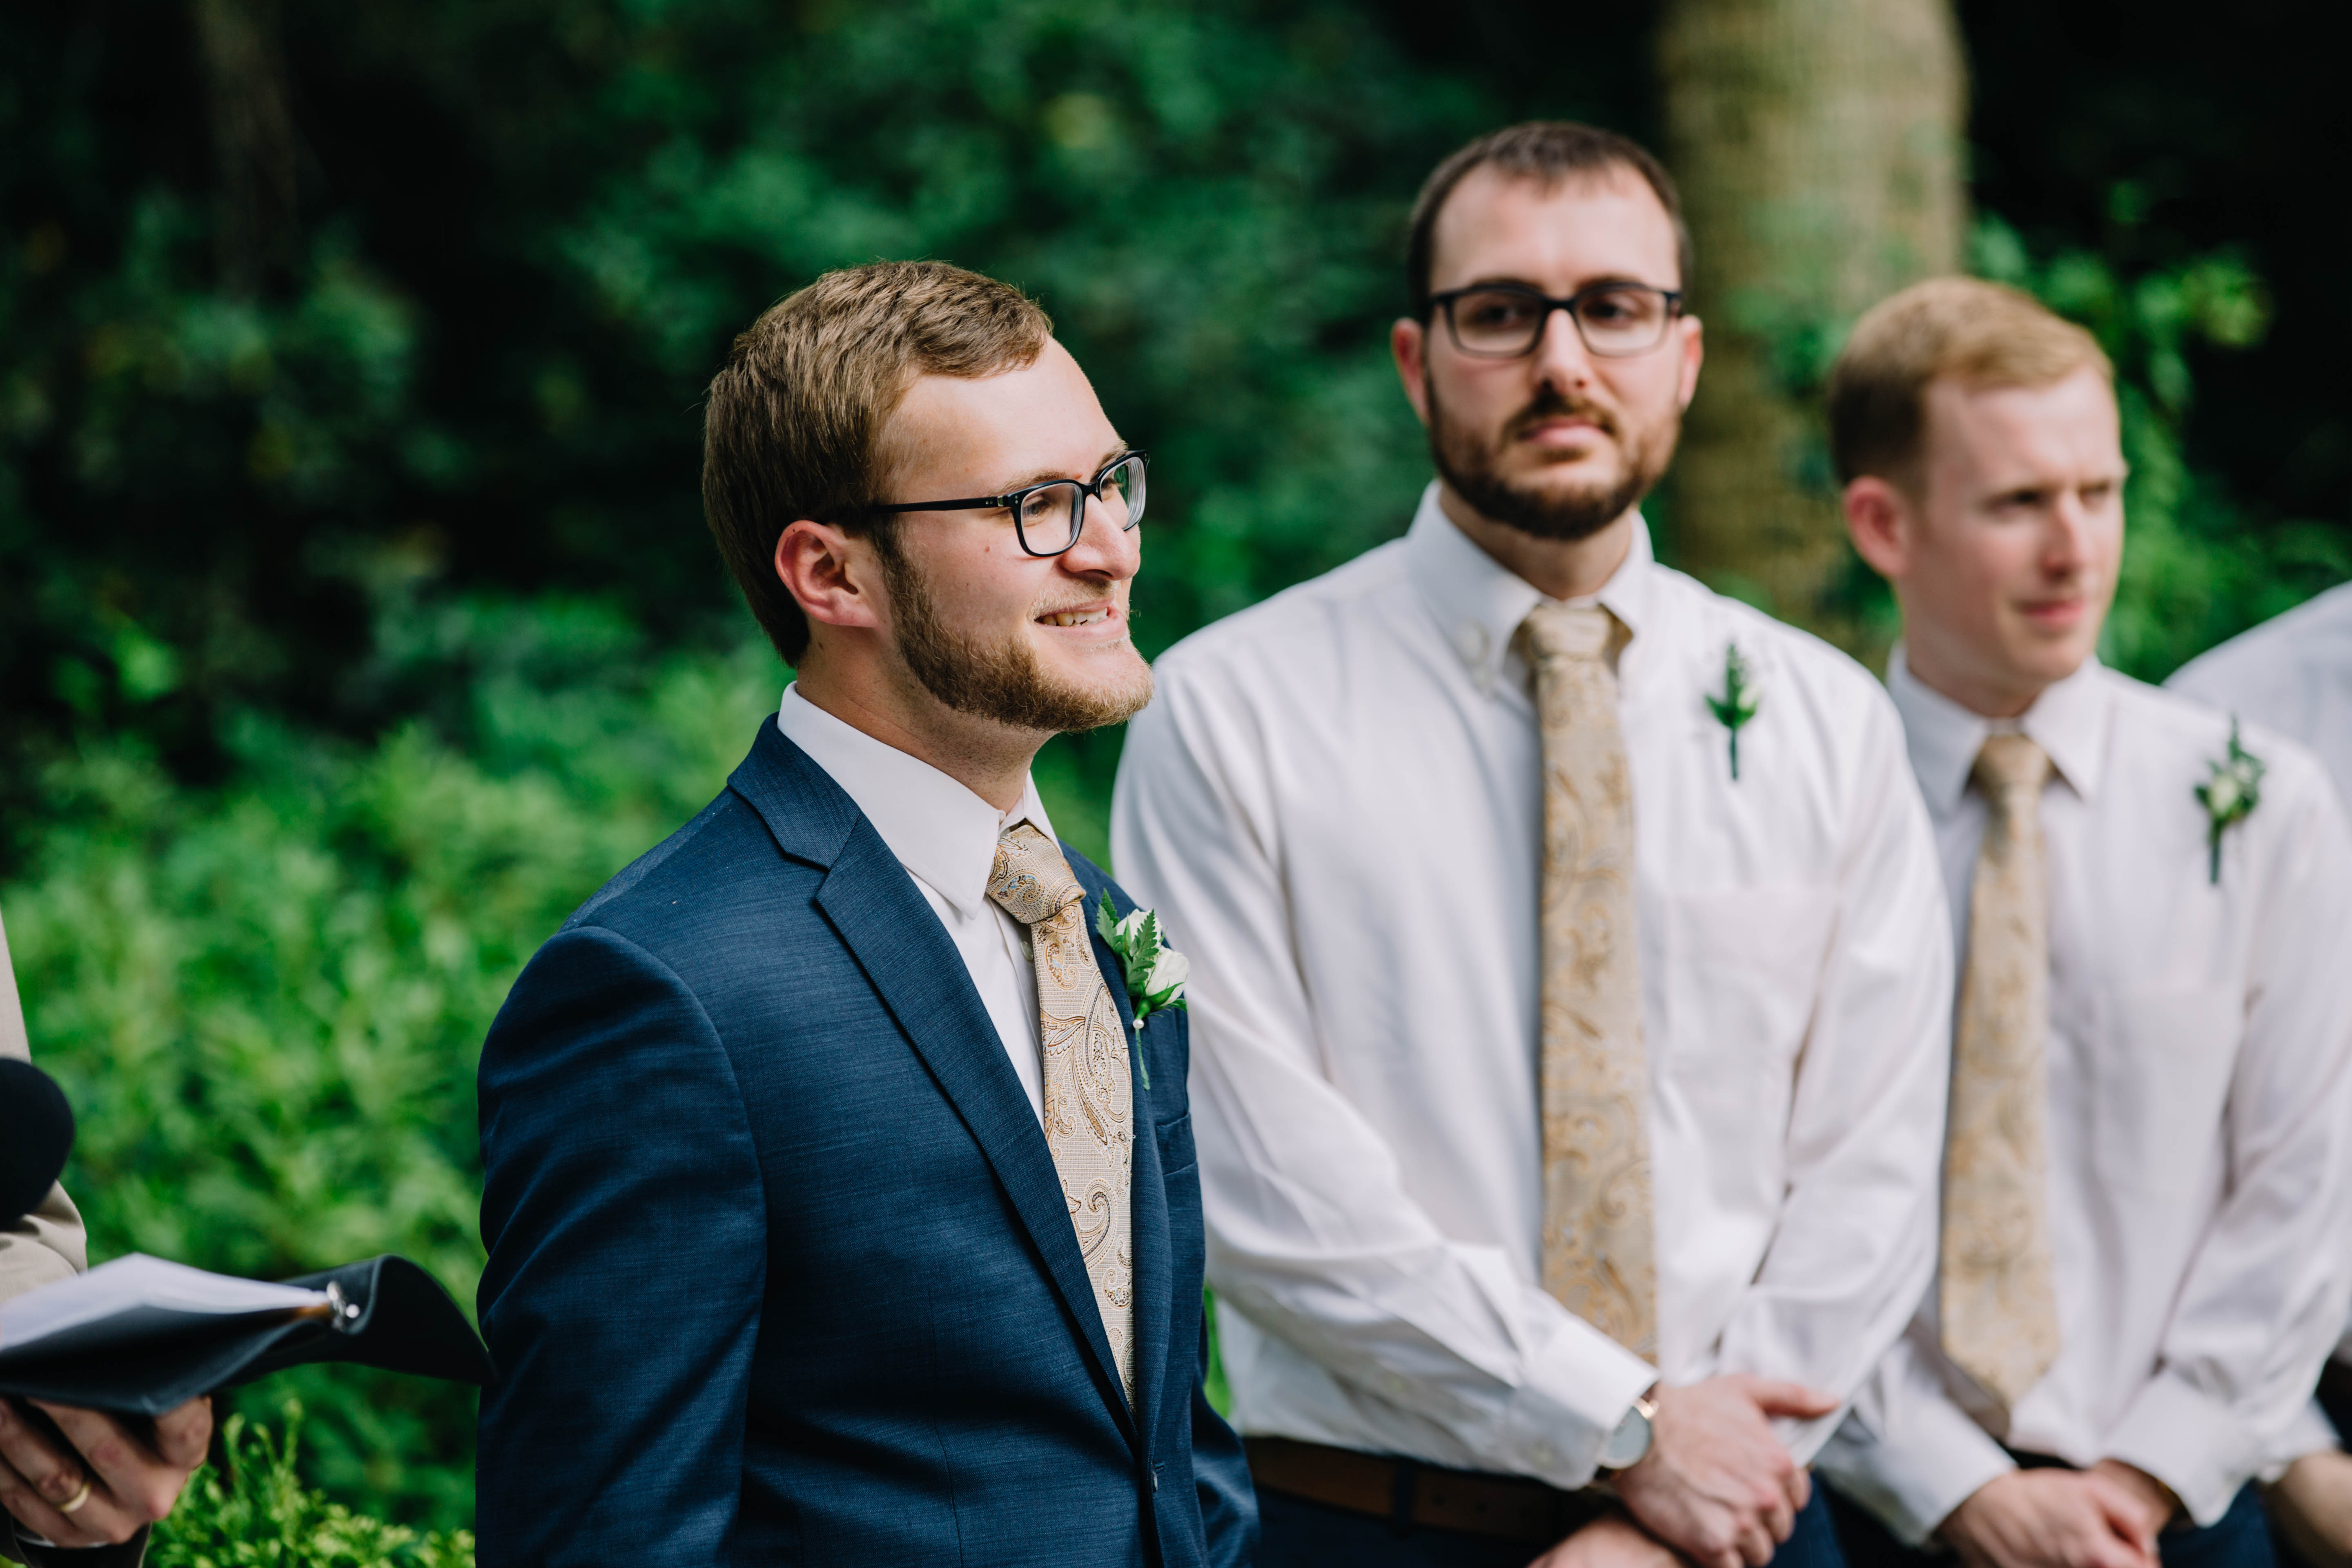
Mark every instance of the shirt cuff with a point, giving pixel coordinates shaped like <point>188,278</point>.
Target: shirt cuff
<point>1553,1427</point>
<point>2308,1431</point>
<point>1913,1479</point>
<point>2190,1442</point>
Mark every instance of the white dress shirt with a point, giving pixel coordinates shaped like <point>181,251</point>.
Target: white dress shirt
<point>1335,802</point>
<point>945,837</point>
<point>2199,1061</point>
<point>2292,674</point>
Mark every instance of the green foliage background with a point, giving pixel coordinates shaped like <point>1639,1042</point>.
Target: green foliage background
<point>354,628</point>
<point>260,1513</point>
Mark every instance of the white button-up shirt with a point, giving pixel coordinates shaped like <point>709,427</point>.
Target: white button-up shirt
<point>2200,1060</point>
<point>2292,674</point>
<point>1335,802</point>
<point>945,837</point>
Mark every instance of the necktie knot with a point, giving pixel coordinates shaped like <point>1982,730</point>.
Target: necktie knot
<point>2011,770</point>
<point>1031,879</point>
<point>1566,631</point>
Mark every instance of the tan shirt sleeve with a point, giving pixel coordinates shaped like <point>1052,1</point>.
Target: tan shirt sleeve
<point>48,1244</point>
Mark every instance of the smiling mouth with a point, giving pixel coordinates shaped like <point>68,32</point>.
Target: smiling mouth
<point>1085,618</point>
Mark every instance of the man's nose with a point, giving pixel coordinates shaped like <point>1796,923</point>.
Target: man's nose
<point>2068,546</point>
<point>1104,547</point>
<point>1560,358</point>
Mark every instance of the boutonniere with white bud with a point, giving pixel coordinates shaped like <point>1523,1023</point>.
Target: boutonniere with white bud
<point>2229,796</point>
<point>1154,973</point>
<point>1738,703</point>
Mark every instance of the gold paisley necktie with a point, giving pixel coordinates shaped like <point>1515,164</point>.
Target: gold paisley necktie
<point>1089,1098</point>
<point>1997,1306</point>
<point>1599,1242</point>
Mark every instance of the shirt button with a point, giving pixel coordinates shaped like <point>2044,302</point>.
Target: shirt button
<point>1470,641</point>
<point>1542,1454</point>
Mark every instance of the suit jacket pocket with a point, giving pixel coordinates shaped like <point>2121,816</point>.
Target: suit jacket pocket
<point>1176,1154</point>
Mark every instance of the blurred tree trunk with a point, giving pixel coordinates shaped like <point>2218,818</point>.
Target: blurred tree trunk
<point>1818,145</point>
<point>253,139</point>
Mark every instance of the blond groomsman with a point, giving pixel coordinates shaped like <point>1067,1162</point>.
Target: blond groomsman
<point>2141,1263</point>
<point>1572,978</point>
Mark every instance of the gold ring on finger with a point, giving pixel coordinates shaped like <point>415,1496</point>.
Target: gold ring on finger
<point>74,1503</point>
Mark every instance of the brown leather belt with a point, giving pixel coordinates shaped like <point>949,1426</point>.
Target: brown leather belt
<point>1407,1493</point>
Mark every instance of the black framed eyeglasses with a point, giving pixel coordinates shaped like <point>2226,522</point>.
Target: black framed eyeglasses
<point>1505,321</point>
<point>1050,517</point>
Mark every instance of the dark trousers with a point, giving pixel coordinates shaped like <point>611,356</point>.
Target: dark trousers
<point>2239,1539</point>
<point>1292,1533</point>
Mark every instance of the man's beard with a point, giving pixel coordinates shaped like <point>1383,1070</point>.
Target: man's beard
<point>1472,468</point>
<point>1002,682</point>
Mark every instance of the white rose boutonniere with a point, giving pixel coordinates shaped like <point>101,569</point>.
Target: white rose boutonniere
<point>1737,704</point>
<point>2229,796</point>
<point>1154,973</point>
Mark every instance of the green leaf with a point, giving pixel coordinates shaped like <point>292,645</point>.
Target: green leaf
<point>1146,951</point>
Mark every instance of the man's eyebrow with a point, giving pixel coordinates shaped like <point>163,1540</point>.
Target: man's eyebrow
<point>1604,280</point>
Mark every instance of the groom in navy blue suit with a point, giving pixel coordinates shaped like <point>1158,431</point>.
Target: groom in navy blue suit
<point>838,1211</point>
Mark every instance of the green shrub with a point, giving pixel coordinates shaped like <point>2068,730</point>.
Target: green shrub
<point>267,999</point>
<point>260,1514</point>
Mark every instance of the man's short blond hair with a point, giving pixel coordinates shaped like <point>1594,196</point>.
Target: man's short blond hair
<point>794,417</point>
<point>1981,334</point>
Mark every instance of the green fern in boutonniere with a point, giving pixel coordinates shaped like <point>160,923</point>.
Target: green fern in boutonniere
<point>2230,795</point>
<point>1738,703</point>
<point>1154,972</point>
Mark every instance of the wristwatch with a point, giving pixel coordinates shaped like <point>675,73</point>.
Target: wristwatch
<point>1630,1442</point>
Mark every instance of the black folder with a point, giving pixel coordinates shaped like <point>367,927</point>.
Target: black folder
<point>143,1355</point>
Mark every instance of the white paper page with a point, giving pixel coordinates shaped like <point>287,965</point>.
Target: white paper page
<point>137,1281</point>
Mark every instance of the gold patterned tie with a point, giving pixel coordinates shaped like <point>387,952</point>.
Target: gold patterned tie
<point>1998,1308</point>
<point>1599,1240</point>
<point>1089,1098</point>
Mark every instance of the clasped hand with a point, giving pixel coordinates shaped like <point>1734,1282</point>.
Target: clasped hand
<point>104,1484</point>
<point>2106,1517</point>
<point>1718,1485</point>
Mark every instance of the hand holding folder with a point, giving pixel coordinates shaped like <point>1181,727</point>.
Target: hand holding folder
<point>139,1336</point>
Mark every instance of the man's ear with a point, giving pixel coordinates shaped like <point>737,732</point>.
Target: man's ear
<point>1884,523</point>
<point>1693,353</point>
<point>1409,342</point>
<point>831,575</point>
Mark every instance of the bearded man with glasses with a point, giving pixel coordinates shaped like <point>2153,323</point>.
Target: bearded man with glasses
<point>1573,971</point>
<point>840,1208</point>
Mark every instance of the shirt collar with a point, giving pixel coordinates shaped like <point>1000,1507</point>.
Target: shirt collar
<point>1479,602</point>
<point>2069,721</point>
<point>939,830</point>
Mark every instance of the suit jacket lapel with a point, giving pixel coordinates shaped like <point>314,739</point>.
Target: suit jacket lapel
<point>1153,1265</point>
<point>883,920</point>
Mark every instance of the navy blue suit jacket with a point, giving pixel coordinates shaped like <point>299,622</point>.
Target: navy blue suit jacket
<point>780,1269</point>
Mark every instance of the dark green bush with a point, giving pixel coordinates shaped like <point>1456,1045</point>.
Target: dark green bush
<point>261,1515</point>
